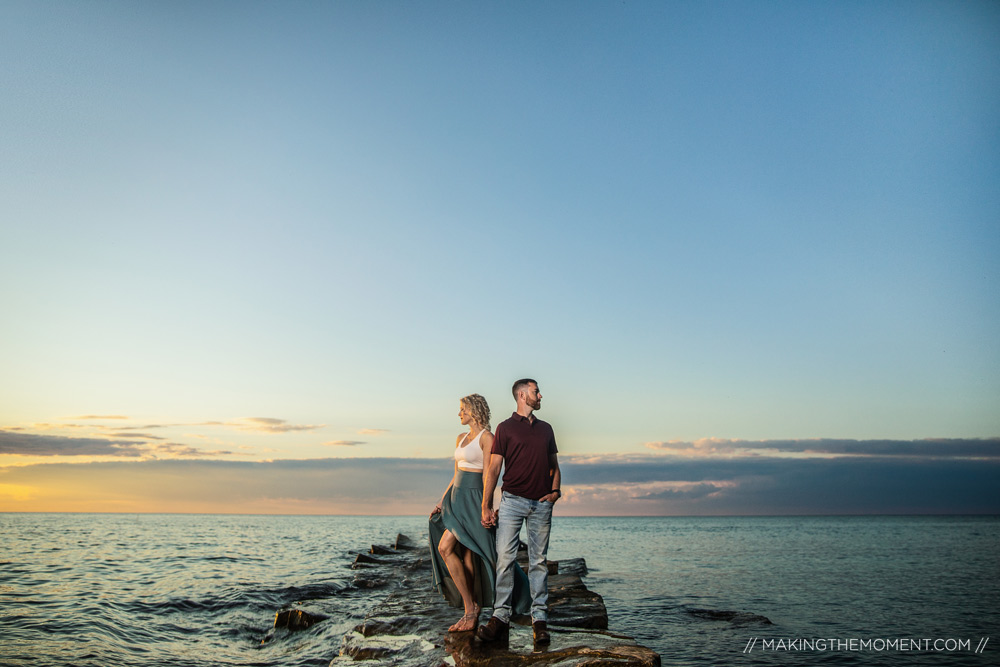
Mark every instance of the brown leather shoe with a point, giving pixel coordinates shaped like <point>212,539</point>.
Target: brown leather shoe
<point>494,631</point>
<point>541,632</point>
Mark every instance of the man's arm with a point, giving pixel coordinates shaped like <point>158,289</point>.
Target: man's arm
<point>556,479</point>
<point>489,487</point>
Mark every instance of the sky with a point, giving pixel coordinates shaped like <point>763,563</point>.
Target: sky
<point>252,254</point>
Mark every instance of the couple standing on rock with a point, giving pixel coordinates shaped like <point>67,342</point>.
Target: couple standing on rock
<point>473,546</point>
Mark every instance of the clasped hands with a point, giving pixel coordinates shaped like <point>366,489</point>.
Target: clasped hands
<point>489,518</point>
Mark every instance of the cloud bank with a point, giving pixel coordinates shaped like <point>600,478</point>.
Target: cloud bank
<point>646,484</point>
<point>132,441</point>
<point>134,445</point>
<point>30,444</point>
<point>924,448</point>
<point>771,485</point>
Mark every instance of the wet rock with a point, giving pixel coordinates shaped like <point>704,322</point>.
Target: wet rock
<point>737,618</point>
<point>369,580</point>
<point>399,647</point>
<point>382,551</point>
<point>577,566</point>
<point>403,542</point>
<point>409,627</point>
<point>420,564</point>
<point>572,604</point>
<point>400,626</point>
<point>409,610</point>
<point>296,619</point>
<point>365,559</point>
<point>577,648</point>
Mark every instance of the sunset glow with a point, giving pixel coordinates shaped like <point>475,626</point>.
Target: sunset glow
<point>750,252</point>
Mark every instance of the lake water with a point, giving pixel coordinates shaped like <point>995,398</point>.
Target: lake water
<point>200,590</point>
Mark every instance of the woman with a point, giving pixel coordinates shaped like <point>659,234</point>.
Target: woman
<point>463,553</point>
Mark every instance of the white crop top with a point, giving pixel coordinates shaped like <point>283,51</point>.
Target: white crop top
<point>470,456</point>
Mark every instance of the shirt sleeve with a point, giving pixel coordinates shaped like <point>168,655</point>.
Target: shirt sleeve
<point>552,444</point>
<point>500,442</point>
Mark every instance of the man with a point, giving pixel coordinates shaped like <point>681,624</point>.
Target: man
<point>525,447</point>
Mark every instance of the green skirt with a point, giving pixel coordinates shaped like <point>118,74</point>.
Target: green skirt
<point>461,513</point>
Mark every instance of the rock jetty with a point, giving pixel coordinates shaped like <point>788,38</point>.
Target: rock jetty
<point>410,626</point>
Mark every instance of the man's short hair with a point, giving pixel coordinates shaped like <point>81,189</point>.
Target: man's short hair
<point>521,384</point>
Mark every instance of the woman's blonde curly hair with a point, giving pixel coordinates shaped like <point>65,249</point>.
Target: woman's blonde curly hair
<point>479,408</point>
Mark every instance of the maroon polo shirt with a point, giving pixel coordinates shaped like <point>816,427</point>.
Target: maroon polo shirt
<point>525,446</point>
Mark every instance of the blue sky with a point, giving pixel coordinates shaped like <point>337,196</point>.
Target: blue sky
<point>299,231</point>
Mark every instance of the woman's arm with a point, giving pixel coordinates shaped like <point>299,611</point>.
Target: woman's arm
<point>491,472</point>
<point>486,444</point>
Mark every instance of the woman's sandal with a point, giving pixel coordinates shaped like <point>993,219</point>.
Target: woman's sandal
<point>472,617</point>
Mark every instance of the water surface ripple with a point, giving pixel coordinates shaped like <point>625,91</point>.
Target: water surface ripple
<point>201,590</point>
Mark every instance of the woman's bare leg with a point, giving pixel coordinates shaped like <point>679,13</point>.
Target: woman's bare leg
<point>449,547</point>
<point>470,568</point>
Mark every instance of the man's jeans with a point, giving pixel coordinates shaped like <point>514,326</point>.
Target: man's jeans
<point>538,515</point>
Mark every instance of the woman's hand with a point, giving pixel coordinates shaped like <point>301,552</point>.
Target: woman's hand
<point>437,510</point>
<point>489,517</point>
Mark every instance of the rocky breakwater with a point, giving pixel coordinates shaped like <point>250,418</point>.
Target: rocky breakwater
<point>410,626</point>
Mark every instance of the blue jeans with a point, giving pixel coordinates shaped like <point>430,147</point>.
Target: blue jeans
<point>515,510</point>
